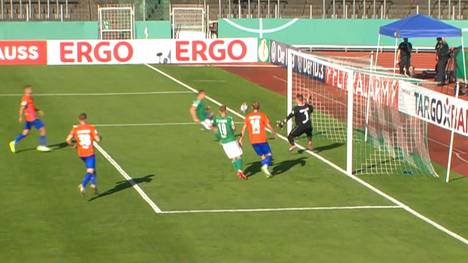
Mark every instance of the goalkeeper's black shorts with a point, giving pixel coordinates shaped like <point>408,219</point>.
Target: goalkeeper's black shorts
<point>301,129</point>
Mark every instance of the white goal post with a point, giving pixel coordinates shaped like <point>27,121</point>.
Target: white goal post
<point>117,22</point>
<point>359,108</point>
<point>188,22</point>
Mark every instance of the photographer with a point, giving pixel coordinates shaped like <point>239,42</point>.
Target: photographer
<point>443,55</point>
<point>404,54</point>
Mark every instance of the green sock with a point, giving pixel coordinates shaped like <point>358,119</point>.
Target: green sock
<point>234,164</point>
<point>241,164</point>
<point>237,164</point>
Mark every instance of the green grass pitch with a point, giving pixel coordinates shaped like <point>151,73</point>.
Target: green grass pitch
<point>181,168</point>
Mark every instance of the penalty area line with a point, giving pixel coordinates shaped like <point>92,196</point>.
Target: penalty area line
<point>336,167</point>
<point>284,209</point>
<point>127,177</point>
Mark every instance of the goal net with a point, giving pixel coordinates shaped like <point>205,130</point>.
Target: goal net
<point>116,22</point>
<point>188,22</point>
<point>358,110</point>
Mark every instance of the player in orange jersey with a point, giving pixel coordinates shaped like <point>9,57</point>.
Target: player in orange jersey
<point>256,124</point>
<point>29,113</point>
<point>84,135</point>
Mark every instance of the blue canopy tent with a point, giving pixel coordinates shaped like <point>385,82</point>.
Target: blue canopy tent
<point>417,26</point>
<point>421,26</point>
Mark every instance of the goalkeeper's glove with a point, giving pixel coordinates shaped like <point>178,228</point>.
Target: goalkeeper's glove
<point>280,124</point>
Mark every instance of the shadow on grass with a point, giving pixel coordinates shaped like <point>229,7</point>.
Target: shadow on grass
<point>25,150</point>
<point>253,168</point>
<point>458,178</point>
<point>328,147</point>
<point>278,168</point>
<point>325,147</point>
<point>286,165</point>
<point>53,147</point>
<point>123,185</point>
<point>58,146</point>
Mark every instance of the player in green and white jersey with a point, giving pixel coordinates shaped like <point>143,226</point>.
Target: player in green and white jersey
<point>199,111</point>
<point>224,127</point>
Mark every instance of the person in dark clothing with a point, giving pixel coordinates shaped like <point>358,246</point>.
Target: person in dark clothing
<point>443,55</point>
<point>404,55</point>
<point>301,113</point>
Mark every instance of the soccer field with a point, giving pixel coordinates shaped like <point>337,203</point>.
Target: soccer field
<point>183,202</point>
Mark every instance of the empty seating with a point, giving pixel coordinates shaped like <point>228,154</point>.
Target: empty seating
<point>158,9</point>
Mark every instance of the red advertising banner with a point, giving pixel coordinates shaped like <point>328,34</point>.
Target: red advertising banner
<point>23,52</point>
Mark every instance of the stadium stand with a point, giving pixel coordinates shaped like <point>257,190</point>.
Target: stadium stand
<point>157,9</point>
<point>341,9</point>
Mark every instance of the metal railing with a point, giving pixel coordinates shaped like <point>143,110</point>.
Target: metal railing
<point>34,10</point>
<point>339,9</point>
<point>314,9</point>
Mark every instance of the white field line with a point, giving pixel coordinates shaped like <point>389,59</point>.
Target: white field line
<point>96,94</point>
<point>150,124</point>
<point>285,209</point>
<point>355,178</point>
<point>128,178</point>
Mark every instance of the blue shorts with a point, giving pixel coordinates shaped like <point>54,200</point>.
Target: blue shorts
<point>35,123</point>
<point>262,148</point>
<point>90,161</point>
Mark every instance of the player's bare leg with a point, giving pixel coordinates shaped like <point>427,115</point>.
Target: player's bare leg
<point>291,137</point>
<point>43,145</point>
<point>309,144</point>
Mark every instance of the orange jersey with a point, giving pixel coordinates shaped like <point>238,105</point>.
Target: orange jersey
<point>27,103</point>
<point>256,123</point>
<point>84,135</point>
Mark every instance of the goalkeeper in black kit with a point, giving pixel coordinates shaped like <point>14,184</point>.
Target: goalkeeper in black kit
<point>301,113</point>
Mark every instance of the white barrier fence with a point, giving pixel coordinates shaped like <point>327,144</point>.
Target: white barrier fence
<point>434,107</point>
